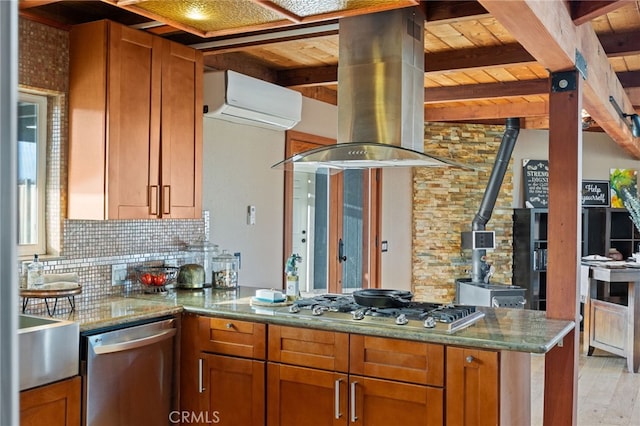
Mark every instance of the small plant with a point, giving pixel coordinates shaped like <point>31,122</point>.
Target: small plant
<point>632,203</point>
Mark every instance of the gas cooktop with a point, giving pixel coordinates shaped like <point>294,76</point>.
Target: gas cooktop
<point>449,318</point>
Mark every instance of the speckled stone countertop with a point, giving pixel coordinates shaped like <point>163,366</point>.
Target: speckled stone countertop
<point>508,329</point>
<point>500,329</point>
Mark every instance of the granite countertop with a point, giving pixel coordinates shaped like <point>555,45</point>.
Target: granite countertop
<point>500,329</point>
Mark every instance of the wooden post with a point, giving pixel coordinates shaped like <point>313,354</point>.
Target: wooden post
<point>564,230</point>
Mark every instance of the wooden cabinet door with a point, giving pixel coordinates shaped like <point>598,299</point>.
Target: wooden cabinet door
<point>181,132</point>
<point>375,402</point>
<point>133,137</point>
<point>305,396</point>
<point>135,145</point>
<point>57,404</point>
<point>232,391</point>
<point>472,387</point>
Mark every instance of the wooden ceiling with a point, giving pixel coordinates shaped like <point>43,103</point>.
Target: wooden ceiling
<point>485,60</point>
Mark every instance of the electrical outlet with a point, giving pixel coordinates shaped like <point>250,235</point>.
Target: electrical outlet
<point>118,274</point>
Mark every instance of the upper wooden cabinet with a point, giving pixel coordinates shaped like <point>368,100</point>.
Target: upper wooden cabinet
<point>135,129</point>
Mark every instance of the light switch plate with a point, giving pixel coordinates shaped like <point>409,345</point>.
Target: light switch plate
<point>118,274</point>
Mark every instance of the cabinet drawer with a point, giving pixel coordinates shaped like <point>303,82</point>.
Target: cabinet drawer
<point>232,337</point>
<point>325,350</point>
<point>402,360</point>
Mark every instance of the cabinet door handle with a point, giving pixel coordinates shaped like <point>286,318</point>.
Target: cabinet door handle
<point>337,399</point>
<point>153,200</point>
<point>166,199</point>
<point>200,375</point>
<point>469,359</point>
<point>354,417</point>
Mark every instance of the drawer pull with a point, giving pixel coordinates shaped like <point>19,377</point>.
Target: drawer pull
<point>200,375</point>
<point>229,325</point>
<point>337,399</point>
<point>354,417</point>
<point>469,359</point>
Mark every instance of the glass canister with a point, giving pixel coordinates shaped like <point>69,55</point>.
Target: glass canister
<point>225,271</point>
<point>202,253</point>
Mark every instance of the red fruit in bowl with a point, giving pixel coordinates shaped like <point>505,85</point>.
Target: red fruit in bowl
<point>146,279</point>
<point>159,279</point>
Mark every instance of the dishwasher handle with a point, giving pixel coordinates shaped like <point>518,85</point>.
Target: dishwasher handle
<point>137,343</point>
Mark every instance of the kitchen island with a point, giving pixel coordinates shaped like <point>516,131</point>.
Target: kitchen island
<point>361,372</point>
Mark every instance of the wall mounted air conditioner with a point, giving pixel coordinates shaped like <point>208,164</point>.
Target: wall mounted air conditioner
<point>235,97</point>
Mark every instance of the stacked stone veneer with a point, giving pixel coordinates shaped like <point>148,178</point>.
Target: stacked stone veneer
<point>445,201</point>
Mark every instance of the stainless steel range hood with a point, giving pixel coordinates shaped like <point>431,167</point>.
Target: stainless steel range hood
<point>380,96</point>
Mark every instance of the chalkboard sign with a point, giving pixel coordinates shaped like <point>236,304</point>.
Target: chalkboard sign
<point>536,183</point>
<point>595,193</point>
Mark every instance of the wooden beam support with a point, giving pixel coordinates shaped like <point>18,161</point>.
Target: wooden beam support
<point>565,176</point>
<point>547,31</point>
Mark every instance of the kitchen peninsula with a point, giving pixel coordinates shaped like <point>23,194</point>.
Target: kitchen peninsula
<point>334,366</point>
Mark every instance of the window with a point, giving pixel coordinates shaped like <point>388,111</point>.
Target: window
<point>32,140</point>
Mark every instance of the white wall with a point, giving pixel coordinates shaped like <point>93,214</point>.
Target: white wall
<point>318,118</point>
<point>599,154</point>
<point>237,173</point>
<point>397,194</point>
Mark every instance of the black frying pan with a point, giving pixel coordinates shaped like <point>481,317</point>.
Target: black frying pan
<point>382,298</point>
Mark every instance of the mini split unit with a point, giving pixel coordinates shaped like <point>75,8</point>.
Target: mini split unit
<point>238,98</point>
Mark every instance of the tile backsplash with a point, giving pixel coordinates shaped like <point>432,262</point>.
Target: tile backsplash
<point>90,247</point>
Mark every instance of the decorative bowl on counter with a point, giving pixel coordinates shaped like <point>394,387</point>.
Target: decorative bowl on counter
<point>154,279</point>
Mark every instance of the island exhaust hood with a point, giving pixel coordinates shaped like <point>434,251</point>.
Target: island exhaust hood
<point>380,96</point>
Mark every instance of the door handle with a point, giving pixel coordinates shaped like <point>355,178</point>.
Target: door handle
<point>341,256</point>
<point>354,414</point>
<point>200,375</point>
<point>336,403</point>
<point>136,343</point>
<point>153,200</point>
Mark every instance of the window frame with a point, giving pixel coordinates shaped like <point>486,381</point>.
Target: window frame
<point>40,247</point>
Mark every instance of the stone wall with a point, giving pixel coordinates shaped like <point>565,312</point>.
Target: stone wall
<point>445,203</point>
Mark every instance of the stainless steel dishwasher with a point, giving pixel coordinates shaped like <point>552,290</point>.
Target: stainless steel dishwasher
<point>129,375</point>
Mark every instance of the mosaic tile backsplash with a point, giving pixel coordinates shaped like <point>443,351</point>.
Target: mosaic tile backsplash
<point>91,247</point>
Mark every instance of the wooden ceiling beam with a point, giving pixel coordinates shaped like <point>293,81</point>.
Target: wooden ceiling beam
<point>621,44</point>
<point>584,11</point>
<point>441,12</point>
<point>308,77</point>
<point>546,30</point>
<point>27,4</point>
<point>469,92</point>
<point>476,57</point>
<point>485,112</point>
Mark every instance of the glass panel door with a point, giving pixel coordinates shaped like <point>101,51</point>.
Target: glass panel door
<point>353,246</point>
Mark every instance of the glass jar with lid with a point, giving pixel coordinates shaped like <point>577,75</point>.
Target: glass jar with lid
<point>225,271</point>
<point>202,253</point>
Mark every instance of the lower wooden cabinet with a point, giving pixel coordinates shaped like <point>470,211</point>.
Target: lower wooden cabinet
<point>299,395</point>
<point>305,396</point>
<point>219,388</point>
<point>486,387</point>
<point>321,377</point>
<point>232,390</point>
<point>56,404</point>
